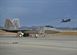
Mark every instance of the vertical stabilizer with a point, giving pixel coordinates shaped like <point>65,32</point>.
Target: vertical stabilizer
<point>12,24</point>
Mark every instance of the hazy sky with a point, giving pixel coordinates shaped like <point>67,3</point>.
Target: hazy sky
<point>40,12</point>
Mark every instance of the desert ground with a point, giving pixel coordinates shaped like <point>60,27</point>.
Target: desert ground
<point>4,33</point>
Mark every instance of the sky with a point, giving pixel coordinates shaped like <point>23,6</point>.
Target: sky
<point>39,12</point>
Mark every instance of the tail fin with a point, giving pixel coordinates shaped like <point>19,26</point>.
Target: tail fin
<point>11,24</point>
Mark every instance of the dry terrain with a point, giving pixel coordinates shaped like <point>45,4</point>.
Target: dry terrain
<point>4,33</point>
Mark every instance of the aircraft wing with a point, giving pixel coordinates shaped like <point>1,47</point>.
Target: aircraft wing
<point>16,30</point>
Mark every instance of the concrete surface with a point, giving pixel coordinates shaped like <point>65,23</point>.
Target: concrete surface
<point>54,45</point>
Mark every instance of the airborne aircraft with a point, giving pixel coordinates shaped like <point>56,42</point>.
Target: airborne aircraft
<point>66,20</point>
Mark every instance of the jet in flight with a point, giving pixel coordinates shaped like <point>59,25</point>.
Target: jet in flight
<point>66,20</point>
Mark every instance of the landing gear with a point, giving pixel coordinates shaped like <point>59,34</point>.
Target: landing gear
<point>20,34</point>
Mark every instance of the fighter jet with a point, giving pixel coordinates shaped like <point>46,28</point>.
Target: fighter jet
<point>66,20</point>
<point>13,25</point>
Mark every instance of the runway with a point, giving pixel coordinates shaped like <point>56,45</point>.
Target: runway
<point>66,45</point>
